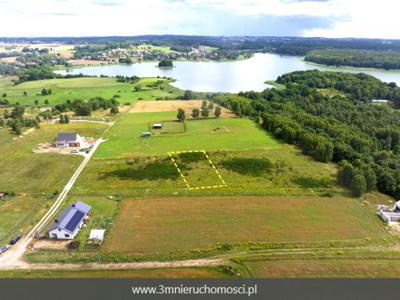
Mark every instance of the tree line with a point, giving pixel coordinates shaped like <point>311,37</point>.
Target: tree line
<point>363,138</point>
<point>355,58</point>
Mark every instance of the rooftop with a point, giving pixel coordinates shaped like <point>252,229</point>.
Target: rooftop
<point>69,136</point>
<point>71,217</point>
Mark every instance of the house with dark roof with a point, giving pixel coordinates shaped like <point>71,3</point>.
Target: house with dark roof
<point>70,139</point>
<point>70,221</point>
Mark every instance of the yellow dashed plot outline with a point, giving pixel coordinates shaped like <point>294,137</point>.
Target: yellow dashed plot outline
<point>204,187</point>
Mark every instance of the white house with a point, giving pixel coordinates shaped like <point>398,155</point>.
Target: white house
<point>70,140</point>
<point>67,225</point>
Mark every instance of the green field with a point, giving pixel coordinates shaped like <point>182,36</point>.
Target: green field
<point>170,225</point>
<point>206,272</point>
<point>325,268</point>
<point>86,88</point>
<point>211,135</point>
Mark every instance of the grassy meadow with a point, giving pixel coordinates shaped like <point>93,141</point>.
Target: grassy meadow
<point>86,88</point>
<point>163,226</point>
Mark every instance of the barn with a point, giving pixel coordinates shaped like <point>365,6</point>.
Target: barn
<point>68,224</point>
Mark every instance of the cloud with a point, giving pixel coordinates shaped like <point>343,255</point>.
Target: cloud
<point>107,2</point>
<point>330,18</point>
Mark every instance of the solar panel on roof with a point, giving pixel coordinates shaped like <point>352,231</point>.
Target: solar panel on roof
<point>75,220</point>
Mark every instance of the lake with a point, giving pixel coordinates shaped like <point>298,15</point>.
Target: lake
<point>228,76</point>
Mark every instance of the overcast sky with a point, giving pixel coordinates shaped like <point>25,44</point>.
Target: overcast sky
<point>327,18</point>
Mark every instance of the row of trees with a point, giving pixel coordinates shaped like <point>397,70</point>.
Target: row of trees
<point>86,107</point>
<point>203,112</point>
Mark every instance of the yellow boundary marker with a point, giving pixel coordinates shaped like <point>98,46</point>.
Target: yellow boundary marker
<point>204,187</point>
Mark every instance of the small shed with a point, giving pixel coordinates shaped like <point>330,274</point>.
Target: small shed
<point>146,134</point>
<point>97,236</point>
<point>3,195</point>
<point>157,126</point>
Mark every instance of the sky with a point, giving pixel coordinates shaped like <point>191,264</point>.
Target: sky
<point>323,18</point>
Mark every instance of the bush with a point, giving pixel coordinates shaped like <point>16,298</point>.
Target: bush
<point>73,245</point>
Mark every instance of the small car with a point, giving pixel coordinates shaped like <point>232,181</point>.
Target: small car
<point>74,151</point>
<point>4,248</point>
<point>15,239</point>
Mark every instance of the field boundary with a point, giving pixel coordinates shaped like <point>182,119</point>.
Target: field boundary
<point>222,183</point>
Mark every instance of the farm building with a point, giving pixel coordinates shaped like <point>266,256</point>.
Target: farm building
<point>70,140</point>
<point>157,126</point>
<point>389,216</point>
<point>97,236</point>
<point>3,195</point>
<point>67,226</point>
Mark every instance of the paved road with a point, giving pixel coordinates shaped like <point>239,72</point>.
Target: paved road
<point>13,256</point>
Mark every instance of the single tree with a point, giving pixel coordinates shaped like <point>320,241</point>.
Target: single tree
<point>205,112</point>
<point>217,111</point>
<point>114,110</point>
<point>187,95</point>
<point>195,113</point>
<point>181,115</point>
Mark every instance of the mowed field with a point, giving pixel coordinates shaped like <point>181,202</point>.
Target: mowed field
<point>210,134</point>
<point>162,226</point>
<point>86,88</point>
<point>174,105</point>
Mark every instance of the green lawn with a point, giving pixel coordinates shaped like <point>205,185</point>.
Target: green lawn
<point>211,135</point>
<point>86,88</point>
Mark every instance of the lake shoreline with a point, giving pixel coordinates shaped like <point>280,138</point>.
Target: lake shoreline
<point>248,74</point>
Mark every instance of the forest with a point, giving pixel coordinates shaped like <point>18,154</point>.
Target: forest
<point>346,127</point>
<point>355,58</point>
